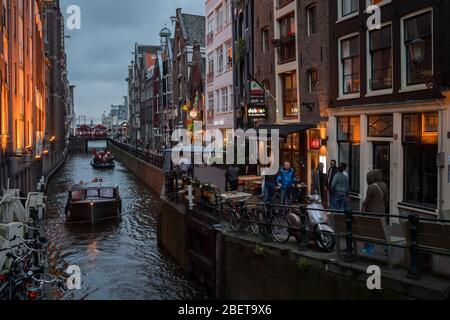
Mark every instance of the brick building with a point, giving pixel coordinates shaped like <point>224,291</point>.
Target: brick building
<point>389,106</point>
<point>189,29</point>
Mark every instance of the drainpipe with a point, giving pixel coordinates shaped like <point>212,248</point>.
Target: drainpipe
<point>441,102</point>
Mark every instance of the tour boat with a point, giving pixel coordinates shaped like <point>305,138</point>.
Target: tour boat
<point>102,160</point>
<point>93,202</point>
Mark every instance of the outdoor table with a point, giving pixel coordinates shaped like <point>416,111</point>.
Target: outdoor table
<point>235,196</point>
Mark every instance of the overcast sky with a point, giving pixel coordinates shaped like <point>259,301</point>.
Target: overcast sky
<point>99,53</point>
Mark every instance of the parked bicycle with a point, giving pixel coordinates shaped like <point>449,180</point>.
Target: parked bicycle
<point>238,214</point>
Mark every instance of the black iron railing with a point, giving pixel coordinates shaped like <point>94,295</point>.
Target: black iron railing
<point>416,241</point>
<point>150,157</point>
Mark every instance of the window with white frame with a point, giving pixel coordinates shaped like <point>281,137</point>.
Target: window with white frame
<point>211,101</point>
<point>228,14</point>
<point>311,16</point>
<point>229,61</point>
<point>220,60</point>
<point>418,27</point>
<point>219,18</point>
<point>210,65</point>
<point>224,99</point>
<point>350,63</point>
<point>380,60</point>
<point>218,99</point>
<point>210,23</point>
<point>348,7</point>
<point>230,99</point>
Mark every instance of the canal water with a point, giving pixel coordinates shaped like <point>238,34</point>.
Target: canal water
<point>119,259</point>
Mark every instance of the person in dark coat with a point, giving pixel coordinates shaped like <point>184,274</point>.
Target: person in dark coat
<point>330,176</point>
<point>232,177</point>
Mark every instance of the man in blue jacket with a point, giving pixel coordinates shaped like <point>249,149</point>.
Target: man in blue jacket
<point>285,181</point>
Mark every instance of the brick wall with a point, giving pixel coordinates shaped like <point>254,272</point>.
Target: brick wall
<point>313,53</point>
<point>264,62</point>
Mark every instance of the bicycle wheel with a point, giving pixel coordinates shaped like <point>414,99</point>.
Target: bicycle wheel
<point>280,228</point>
<point>253,223</point>
<point>234,220</point>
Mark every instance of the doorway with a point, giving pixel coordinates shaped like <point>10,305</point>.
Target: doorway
<point>382,161</point>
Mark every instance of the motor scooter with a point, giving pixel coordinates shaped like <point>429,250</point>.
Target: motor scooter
<point>316,225</point>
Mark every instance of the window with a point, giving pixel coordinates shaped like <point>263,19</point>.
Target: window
<point>265,39</point>
<point>220,61</point>
<point>228,13</point>
<point>210,23</point>
<point>290,101</point>
<point>381,126</point>
<point>230,99</point>
<point>210,76</point>
<point>350,65</point>
<point>211,101</point>
<point>349,139</point>
<point>224,99</point>
<point>219,18</point>
<point>313,80</point>
<point>311,19</point>
<point>229,55</point>
<point>414,28</point>
<point>380,59</point>
<point>349,6</point>
<point>217,106</point>
<point>420,139</point>
<point>287,50</point>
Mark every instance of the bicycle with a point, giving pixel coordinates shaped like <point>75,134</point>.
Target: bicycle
<point>279,222</point>
<point>238,213</point>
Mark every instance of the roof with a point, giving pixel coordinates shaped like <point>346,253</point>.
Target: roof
<point>193,27</point>
<point>94,185</point>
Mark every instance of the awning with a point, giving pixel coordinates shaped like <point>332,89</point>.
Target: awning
<point>287,129</point>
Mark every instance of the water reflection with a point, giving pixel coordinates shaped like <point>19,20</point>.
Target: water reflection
<point>118,259</point>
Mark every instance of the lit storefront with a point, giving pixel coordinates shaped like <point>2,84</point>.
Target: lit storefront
<point>404,144</point>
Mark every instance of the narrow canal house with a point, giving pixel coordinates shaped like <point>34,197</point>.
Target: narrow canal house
<point>301,85</point>
<point>189,29</point>
<point>389,105</point>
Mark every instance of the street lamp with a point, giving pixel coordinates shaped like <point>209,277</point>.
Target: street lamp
<point>417,48</point>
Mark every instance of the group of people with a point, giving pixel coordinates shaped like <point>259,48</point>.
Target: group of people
<point>336,186</point>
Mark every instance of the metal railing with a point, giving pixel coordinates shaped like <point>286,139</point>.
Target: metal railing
<point>412,243</point>
<point>154,159</point>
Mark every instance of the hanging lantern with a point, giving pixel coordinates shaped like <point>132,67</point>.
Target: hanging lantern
<point>194,113</point>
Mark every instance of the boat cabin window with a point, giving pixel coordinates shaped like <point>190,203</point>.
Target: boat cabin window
<point>107,193</point>
<point>92,193</point>
<point>77,195</point>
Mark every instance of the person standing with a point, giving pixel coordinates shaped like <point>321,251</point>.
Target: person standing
<point>330,176</point>
<point>232,177</point>
<point>340,189</point>
<point>319,181</point>
<point>285,181</point>
<point>377,199</point>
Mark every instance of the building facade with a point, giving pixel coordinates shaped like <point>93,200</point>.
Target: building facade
<point>219,65</point>
<point>389,106</point>
<point>189,30</point>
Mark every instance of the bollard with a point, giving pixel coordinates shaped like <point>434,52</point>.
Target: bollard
<point>349,255</point>
<point>414,271</point>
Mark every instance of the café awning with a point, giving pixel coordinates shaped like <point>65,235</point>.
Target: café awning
<point>287,129</point>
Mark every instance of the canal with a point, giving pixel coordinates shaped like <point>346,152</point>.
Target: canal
<point>120,259</point>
